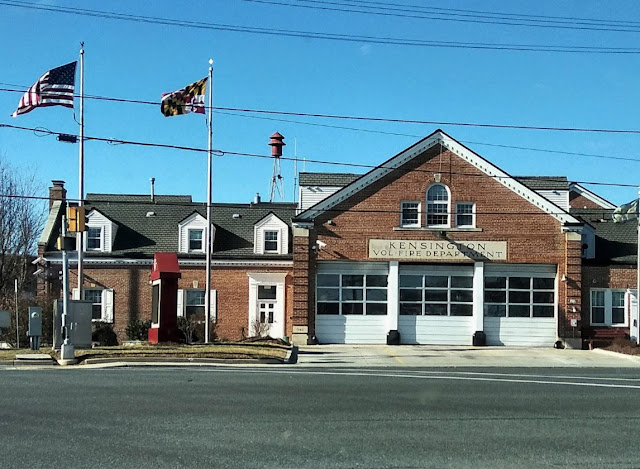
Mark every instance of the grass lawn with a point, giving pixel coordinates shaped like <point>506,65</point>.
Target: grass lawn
<point>229,351</point>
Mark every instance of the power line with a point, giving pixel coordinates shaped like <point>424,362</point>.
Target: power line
<point>500,14</point>
<point>413,13</point>
<point>320,35</point>
<point>219,152</point>
<point>378,119</point>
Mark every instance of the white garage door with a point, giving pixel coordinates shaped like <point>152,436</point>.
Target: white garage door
<point>520,305</point>
<point>436,305</point>
<point>351,302</point>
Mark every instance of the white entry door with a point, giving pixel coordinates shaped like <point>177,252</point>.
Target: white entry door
<point>266,305</point>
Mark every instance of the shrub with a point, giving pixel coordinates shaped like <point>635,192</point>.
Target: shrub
<point>104,334</point>
<point>138,329</point>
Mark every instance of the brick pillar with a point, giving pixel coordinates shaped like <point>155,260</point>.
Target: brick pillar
<point>301,297</point>
<point>571,307</point>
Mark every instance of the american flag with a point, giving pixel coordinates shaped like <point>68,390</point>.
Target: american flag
<point>54,88</point>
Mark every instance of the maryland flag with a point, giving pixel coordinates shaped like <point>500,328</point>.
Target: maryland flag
<point>186,100</point>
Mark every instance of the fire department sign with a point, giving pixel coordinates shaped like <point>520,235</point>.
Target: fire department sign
<point>436,250</point>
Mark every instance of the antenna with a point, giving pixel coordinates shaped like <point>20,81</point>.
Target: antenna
<point>276,144</point>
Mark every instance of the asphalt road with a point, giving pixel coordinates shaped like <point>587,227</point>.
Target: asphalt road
<point>297,418</point>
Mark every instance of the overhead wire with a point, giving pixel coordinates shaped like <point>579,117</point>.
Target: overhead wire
<point>376,119</point>
<point>450,17</point>
<point>219,152</point>
<point>319,35</point>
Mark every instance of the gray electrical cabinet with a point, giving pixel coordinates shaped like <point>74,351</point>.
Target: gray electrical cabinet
<point>5,319</point>
<point>79,319</point>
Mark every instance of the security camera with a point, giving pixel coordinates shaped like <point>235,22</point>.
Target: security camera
<point>320,244</point>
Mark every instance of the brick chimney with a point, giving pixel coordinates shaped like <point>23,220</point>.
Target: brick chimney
<point>57,192</point>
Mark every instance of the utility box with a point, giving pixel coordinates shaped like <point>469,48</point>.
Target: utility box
<point>479,339</point>
<point>35,327</point>
<point>5,319</point>
<point>79,319</point>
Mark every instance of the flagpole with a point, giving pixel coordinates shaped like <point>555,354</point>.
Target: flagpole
<point>80,239</point>
<point>207,306</point>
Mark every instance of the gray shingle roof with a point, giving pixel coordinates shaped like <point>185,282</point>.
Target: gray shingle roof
<point>616,243</point>
<point>327,179</point>
<point>139,235</point>
<point>537,183</point>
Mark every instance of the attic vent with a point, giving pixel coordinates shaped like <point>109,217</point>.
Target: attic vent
<point>151,214</point>
<point>236,216</point>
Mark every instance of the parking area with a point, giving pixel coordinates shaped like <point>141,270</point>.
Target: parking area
<point>459,356</point>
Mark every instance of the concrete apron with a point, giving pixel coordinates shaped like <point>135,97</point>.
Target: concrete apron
<point>459,356</point>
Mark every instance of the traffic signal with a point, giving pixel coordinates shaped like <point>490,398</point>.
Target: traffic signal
<point>76,219</point>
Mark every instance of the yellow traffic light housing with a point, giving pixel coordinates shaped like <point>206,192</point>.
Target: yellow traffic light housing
<point>76,219</point>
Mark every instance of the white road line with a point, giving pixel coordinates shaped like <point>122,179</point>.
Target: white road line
<point>444,377</point>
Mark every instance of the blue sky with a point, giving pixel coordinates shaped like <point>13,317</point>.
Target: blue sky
<point>140,61</point>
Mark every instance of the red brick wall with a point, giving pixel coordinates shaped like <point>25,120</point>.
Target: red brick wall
<point>132,294</point>
<point>579,201</point>
<point>614,277</point>
<point>531,235</point>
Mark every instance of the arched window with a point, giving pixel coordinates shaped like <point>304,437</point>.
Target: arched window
<point>438,206</point>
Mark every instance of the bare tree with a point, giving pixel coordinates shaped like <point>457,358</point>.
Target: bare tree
<point>259,328</point>
<point>21,221</point>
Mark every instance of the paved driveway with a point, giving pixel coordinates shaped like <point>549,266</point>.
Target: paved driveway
<point>431,355</point>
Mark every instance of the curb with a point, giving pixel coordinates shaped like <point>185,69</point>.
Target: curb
<point>164,361</point>
<point>635,358</point>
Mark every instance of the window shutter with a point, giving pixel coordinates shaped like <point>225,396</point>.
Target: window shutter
<point>180,303</point>
<point>107,305</point>
<point>75,294</point>
<point>259,246</point>
<point>213,302</point>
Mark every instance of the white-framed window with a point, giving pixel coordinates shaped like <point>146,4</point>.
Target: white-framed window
<point>194,303</point>
<point>438,206</point>
<point>102,302</point>
<point>95,296</point>
<point>271,241</point>
<point>271,236</point>
<point>519,296</point>
<point>351,294</point>
<point>195,240</point>
<point>410,214</point>
<point>465,214</point>
<point>94,238</point>
<point>436,295</point>
<point>608,307</point>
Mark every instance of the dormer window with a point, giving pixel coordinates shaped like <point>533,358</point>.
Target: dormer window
<point>192,233</point>
<point>270,241</point>
<point>271,236</point>
<point>195,240</point>
<point>94,238</point>
<point>438,206</point>
<point>100,232</point>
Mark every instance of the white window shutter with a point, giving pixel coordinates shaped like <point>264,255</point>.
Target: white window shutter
<point>180,303</point>
<point>107,305</point>
<point>258,248</point>
<point>213,302</point>
<point>75,294</point>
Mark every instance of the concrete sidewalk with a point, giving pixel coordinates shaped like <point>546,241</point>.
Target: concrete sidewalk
<point>459,356</point>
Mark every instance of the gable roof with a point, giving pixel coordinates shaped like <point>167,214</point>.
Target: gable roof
<point>327,179</point>
<point>438,138</point>
<point>139,235</point>
<point>592,196</point>
<point>544,183</point>
<point>616,243</point>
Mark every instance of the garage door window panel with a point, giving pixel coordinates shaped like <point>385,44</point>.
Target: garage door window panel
<point>351,294</point>
<point>519,297</point>
<point>436,295</point>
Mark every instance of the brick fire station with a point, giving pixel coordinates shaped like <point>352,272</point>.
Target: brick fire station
<point>434,246</point>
